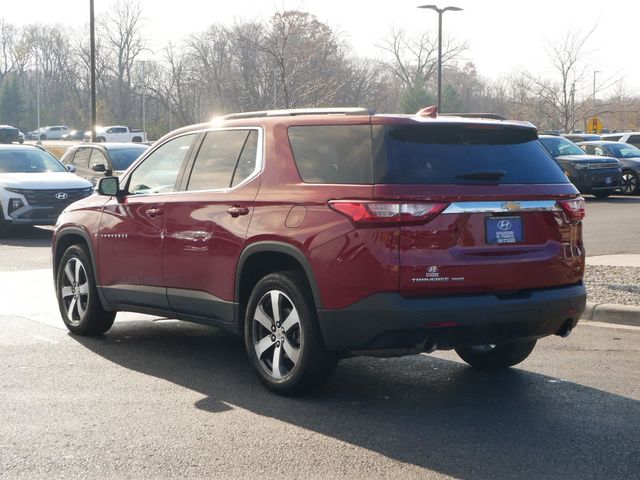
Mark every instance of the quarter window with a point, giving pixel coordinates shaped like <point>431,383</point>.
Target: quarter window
<point>333,153</point>
<point>158,173</point>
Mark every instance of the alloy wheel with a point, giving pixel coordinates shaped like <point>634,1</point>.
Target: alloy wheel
<point>277,334</point>
<point>629,183</point>
<point>74,290</point>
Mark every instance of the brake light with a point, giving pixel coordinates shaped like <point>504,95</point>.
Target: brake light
<point>573,208</point>
<point>374,213</point>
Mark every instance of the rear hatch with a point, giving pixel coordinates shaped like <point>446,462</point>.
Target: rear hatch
<point>503,216</point>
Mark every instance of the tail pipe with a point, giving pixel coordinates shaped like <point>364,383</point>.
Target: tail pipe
<point>566,329</point>
<point>429,345</point>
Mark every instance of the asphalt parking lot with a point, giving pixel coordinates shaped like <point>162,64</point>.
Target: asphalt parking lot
<point>156,398</point>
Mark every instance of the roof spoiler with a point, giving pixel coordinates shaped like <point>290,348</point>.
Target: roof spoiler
<point>491,116</point>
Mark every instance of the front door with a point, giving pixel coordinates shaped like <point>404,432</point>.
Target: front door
<point>206,225</point>
<point>132,226</point>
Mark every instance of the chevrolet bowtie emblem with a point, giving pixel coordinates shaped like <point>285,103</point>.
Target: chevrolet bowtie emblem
<point>511,206</point>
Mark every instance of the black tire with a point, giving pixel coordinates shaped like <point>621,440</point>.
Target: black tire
<point>314,364</point>
<point>43,137</point>
<point>629,182</point>
<point>601,194</point>
<point>86,317</point>
<point>494,357</point>
<point>136,139</point>
<point>4,226</point>
<point>101,140</point>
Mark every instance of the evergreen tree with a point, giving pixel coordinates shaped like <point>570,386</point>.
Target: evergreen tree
<point>415,98</point>
<point>11,103</point>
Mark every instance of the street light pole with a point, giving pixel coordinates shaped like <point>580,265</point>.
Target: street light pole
<point>92,35</point>
<point>440,12</point>
<point>594,90</point>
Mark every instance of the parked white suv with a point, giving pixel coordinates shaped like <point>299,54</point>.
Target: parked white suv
<point>632,138</point>
<point>52,133</point>
<point>35,187</point>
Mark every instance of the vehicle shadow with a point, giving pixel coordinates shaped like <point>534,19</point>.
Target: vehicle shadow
<point>420,410</point>
<point>26,236</point>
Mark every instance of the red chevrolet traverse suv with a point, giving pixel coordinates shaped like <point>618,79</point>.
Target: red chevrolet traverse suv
<point>319,234</point>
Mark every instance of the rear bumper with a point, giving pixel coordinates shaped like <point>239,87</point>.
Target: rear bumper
<point>390,321</point>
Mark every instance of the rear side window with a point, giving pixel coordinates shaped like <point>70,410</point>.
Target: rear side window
<point>461,154</point>
<point>218,156</point>
<point>333,153</point>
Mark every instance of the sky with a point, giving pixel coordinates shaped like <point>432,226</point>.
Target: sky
<point>504,35</point>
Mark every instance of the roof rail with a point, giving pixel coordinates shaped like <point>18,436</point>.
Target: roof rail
<point>492,116</point>
<point>297,111</point>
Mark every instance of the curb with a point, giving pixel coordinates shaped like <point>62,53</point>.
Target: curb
<point>612,313</point>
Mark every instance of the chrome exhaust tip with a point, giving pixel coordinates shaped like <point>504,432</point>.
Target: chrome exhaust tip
<point>429,345</point>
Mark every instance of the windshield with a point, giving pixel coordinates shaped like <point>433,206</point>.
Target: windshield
<point>121,158</point>
<point>28,161</point>
<point>624,150</point>
<point>558,146</point>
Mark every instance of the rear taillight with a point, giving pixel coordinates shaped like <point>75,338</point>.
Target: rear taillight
<point>374,213</point>
<point>573,209</point>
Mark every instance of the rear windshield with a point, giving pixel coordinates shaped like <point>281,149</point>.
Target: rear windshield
<point>28,161</point>
<point>454,154</point>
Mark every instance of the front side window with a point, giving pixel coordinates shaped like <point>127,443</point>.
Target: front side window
<point>97,158</point>
<point>158,173</point>
<point>81,158</point>
<point>217,158</point>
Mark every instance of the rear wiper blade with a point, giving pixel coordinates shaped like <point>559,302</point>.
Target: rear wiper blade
<point>486,175</point>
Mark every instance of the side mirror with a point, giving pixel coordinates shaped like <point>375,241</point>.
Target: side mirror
<point>100,167</point>
<point>71,168</point>
<point>109,186</point>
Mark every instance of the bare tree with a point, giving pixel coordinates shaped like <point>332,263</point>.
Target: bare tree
<point>308,60</point>
<point>414,60</point>
<point>123,43</point>
<point>568,98</point>
<point>8,40</point>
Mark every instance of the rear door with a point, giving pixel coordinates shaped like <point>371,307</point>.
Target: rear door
<point>207,223</point>
<point>494,191</point>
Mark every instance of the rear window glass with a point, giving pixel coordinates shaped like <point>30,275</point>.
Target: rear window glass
<point>333,153</point>
<point>428,154</point>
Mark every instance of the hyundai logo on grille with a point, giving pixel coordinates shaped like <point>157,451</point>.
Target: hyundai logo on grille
<point>504,225</point>
<point>61,196</point>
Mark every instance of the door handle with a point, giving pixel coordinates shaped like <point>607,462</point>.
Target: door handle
<point>236,211</point>
<point>154,212</point>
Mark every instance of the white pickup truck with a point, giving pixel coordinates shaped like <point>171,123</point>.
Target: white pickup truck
<point>117,133</point>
